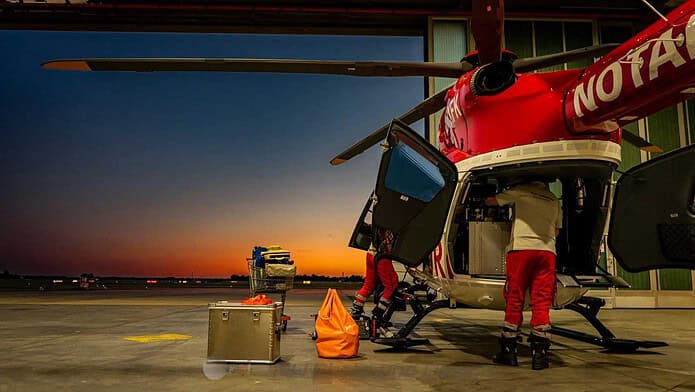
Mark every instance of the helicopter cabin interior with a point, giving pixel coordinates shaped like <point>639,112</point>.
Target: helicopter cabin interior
<point>479,234</point>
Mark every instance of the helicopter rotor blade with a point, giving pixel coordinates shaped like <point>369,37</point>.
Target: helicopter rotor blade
<point>487,26</point>
<point>354,68</point>
<point>533,63</point>
<point>424,109</point>
<point>640,142</point>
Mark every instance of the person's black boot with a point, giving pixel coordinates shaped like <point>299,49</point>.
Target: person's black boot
<point>539,352</point>
<point>507,354</point>
<point>356,311</point>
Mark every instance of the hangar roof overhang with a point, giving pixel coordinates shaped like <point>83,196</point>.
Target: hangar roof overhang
<point>374,17</point>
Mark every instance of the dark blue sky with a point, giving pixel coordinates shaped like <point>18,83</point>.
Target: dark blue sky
<point>173,173</point>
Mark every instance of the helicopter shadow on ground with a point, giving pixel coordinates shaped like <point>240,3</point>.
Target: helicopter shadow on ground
<point>481,341</point>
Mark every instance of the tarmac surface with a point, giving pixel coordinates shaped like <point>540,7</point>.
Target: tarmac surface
<point>78,341</point>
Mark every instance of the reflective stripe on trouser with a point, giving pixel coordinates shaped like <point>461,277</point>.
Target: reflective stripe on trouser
<point>534,270</point>
<point>386,275</point>
<point>360,299</point>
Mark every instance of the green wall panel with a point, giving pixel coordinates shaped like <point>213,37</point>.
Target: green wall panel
<point>675,279</point>
<point>631,155</point>
<point>548,41</point>
<point>615,34</point>
<point>518,37</point>
<point>449,44</point>
<point>664,132</point>
<point>578,35</point>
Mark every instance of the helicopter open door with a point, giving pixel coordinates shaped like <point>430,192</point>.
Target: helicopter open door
<point>653,219</point>
<point>412,197</point>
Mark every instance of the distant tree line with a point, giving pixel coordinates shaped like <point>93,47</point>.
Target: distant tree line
<point>312,277</point>
<point>244,278</point>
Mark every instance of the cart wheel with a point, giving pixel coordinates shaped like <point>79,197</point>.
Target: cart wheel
<point>284,325</point>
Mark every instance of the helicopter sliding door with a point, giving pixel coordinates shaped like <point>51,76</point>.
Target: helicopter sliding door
<point>653,219</point>
<point>412,197</point>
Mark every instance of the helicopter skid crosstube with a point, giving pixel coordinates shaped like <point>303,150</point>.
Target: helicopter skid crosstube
<point>589,308</point>
<point>401,340</point>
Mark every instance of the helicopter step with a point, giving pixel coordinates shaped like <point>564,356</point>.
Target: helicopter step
<point>589,307</point>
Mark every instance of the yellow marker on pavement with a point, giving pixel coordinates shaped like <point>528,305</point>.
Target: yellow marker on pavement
<point>157,338</point>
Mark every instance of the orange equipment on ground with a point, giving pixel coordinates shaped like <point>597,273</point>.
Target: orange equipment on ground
<point>260,299</point>
<point>338,334</point>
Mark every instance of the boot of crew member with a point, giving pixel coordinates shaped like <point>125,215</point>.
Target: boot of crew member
<point>381,323</point>
<point>540,346</point>
<point>508,353</point>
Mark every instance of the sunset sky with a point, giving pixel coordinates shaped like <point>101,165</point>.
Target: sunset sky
<point>146,174</point>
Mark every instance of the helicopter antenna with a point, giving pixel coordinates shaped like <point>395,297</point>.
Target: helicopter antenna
<point>656,11</point>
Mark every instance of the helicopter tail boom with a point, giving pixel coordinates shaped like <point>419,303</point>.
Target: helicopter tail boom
<point>651,71</point>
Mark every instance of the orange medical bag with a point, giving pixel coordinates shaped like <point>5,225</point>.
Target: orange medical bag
<point>338,334</point>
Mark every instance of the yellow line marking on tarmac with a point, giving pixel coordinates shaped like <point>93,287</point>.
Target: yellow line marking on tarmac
<point>157,338</point>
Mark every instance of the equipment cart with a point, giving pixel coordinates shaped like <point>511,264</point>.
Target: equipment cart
<point>271,271</point>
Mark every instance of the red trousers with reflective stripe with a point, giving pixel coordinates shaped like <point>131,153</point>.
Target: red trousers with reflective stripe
<point>386,274</point>
<point>534,270</point>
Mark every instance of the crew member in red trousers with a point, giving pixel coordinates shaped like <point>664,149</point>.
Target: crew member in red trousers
<point>385,273</point>
<point>530,266</point>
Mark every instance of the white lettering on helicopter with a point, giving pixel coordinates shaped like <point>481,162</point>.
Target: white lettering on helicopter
<point>451,115</point>
<point>610,82</point>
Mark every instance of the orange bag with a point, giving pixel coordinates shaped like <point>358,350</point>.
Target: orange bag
<point>338,334</point>
<point>257,300</point>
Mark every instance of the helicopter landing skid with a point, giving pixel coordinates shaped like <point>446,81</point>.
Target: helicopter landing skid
<point>401,339</point>
<point>589,307</point>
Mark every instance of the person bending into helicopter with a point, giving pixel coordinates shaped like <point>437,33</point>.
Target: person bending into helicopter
<point>388,277</point>
<point>530,265</point>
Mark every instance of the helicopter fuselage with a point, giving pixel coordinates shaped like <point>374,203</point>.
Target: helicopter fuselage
<point>564,125</point>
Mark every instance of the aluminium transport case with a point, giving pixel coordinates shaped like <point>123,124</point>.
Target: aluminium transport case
<point>244,333</point>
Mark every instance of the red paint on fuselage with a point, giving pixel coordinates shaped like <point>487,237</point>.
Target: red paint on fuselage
<point>530,111</point>
<point>577,104</point>
<point>649,72</point>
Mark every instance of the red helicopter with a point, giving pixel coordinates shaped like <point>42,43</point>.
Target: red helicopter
<point>502,122</point>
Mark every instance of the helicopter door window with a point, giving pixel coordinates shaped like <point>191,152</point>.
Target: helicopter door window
<point>411,175</point>
<point>363,235</point>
